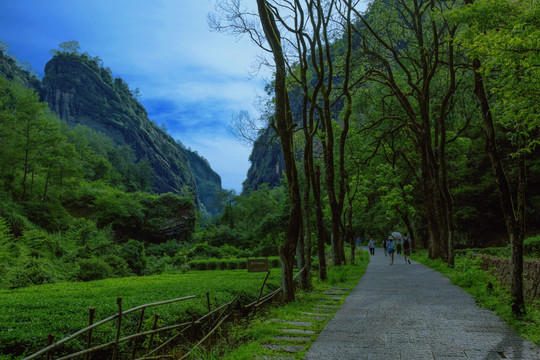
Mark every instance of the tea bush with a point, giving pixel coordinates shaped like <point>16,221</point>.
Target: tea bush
<point>231,264</point>
<point>30,313</point>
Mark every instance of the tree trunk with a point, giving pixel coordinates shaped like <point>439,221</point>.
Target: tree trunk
<point>321,235</point>
<point>26,159</point>
<point>46,185</point>
<point>514,219</point>
<point>284,128</point>
<point>308,153</point>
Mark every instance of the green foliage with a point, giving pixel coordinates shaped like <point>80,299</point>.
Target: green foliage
<point>229,263</point>
<point>249,337</point>
<point>29,314</point>
<point>133,254</point>
<point>531,249</point>
<point>468,275</point>
<point>503,35</point>
<point>337,275</point>
<point>93,269</point>
<point>254,223</point>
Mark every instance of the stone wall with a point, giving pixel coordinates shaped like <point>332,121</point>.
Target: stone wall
<point>501,269</point>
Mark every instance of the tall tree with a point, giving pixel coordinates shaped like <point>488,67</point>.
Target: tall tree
<point>502,36</point>
<point>410,54</point>
<point>284,125</point>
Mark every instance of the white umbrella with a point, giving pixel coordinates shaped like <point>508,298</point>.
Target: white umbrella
<point>397,235</point>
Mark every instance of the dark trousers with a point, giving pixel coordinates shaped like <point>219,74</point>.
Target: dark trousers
<point>372,251</point>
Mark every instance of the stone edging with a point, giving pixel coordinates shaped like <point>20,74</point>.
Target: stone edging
<point>500,268</point>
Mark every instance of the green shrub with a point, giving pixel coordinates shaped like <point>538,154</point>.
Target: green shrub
<point>223,264</point>
<point>274,262</point>
<point>40,243</point>
<point>169,248</point>
<point>242,264</point>
<point>232,264</point>
<point>197,264</point>
<point>531,249</point>
<point>180,259</point>
<point>211,264</point>
<point>118,265</point>
<point>337,274</point>
<point>158,265</point>
<point>203,250</point>
<point>531,246</point>
<point>50,216</point>
<point>133,253</point>
<point>30,271</point>
<point>93,269</point>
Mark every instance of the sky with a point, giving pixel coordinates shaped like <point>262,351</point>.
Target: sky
<point>190,79</point>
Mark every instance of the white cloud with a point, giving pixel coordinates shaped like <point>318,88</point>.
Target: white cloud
<point>190,79</point>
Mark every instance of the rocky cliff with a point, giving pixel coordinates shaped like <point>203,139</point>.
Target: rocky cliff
<point>208,181</point>
<point>267,162</point>
<point>82,92</point>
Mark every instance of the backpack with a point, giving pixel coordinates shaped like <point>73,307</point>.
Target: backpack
<point>406,243</point>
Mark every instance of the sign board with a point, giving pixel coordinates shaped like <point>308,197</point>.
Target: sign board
<point>257,265</point>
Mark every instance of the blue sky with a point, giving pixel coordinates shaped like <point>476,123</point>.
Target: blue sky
<point>190,79</point>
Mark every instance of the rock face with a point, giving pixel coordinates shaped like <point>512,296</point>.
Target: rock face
<point>82,92</point>
<point>267,162</point>
<point>208,181</point>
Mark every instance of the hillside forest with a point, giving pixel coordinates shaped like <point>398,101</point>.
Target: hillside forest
<point>417,116</point>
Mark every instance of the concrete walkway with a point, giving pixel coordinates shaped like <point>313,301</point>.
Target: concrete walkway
<point>411,312</point>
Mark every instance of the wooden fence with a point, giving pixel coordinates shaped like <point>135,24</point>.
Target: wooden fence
<point>213,320</point>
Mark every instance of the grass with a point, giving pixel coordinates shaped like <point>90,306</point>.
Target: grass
<point>468,275</point>
<point>245,340</point>
<point>27,315</point>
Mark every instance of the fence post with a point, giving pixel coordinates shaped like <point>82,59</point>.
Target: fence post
<point>156,318</point>
<point>209,310</point>
<point>50,339</point>
<point>192,328</point>
<point>119,303</point>
<point>138,331</point>
<point>90,322</point>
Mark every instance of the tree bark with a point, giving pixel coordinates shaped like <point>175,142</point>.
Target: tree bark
<point>284,125</point>
<point>514,219</point>
<point>321,239</point>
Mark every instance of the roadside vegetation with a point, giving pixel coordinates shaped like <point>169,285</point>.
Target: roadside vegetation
<point>372,153</point>
<point>29,314</point>
<point>244,340</point>
<point>487,291</point>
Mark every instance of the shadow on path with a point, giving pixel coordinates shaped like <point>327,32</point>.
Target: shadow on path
<point>412,312</point>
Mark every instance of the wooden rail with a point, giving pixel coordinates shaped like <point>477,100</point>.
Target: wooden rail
<point>104,321</point>
<point>214,319</point>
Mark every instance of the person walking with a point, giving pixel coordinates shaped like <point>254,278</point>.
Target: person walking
<point>390,244</point>
<point>384,247</point>
<point>406,248</point>
<point>372,246</point>
<point>398,245</point>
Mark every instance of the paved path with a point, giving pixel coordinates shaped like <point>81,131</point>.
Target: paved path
<point>411,312</point>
